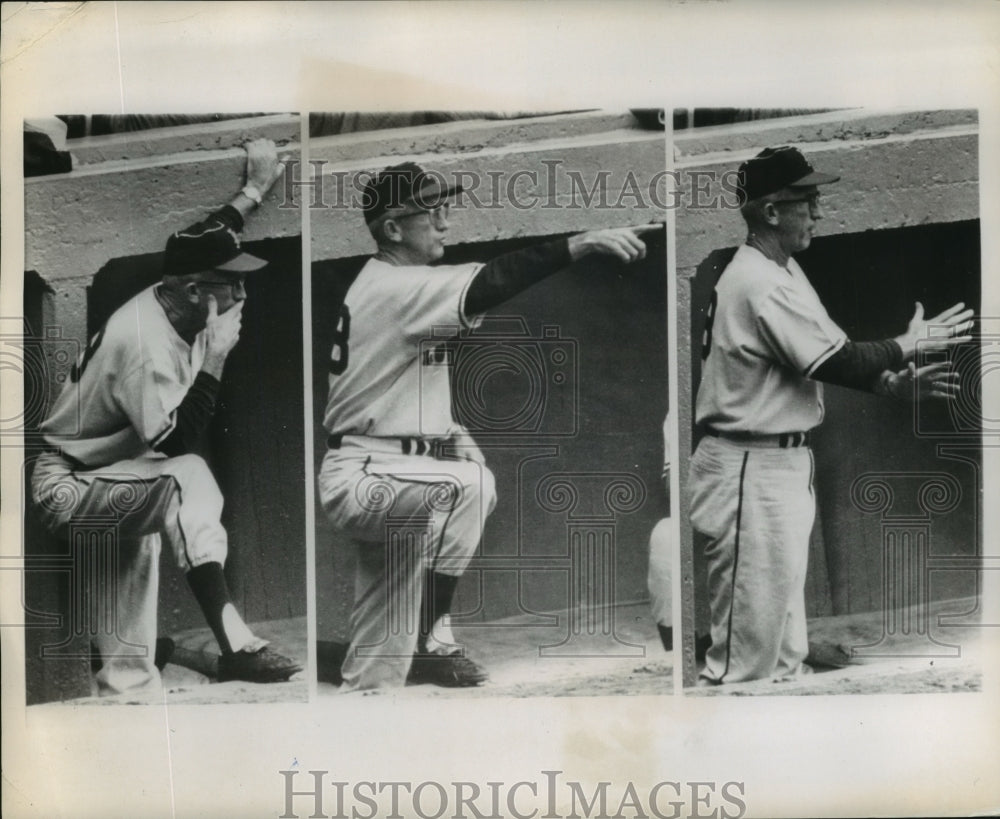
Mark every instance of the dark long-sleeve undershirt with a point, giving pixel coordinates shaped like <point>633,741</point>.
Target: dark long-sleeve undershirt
<point>505,276</point>
<point>227,215</point>
<point>859,364</point>
<point>192,416</point>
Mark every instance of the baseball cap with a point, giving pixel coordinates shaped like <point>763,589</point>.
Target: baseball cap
<point>402,184</point>
<point>776,168</point>
<point>208,245</point>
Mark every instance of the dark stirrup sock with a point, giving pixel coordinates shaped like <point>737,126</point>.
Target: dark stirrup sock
<point>439,591</point>
<point>210,590</point>
<point>666,636</point>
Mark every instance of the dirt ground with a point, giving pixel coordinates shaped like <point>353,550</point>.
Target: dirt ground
<point>526,659</point>
<point>903,663</point>
<point>631,660</point>
<point>184,686</point>
<point>945,657</point>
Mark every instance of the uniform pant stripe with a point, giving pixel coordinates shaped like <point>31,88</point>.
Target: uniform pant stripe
<point>180,525</point>
<point>736,561</point>
<point>451,511</point>
<point>444,529</point>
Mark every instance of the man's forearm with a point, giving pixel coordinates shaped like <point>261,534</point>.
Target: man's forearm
<point>243,203</point>
<point>192,416</point>
<point>861,365</point>
<point>507,275</point>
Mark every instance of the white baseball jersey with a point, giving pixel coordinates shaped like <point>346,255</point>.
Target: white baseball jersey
<point>385,378</point>
<point>122,395</point>
<point>768,335</point>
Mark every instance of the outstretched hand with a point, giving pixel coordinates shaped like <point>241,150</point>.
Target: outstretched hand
<point>263,166</point>
<point>936,334</point>
<point>622,243</point>
<point>936,380</point>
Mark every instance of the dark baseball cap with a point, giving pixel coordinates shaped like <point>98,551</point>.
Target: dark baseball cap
<point>404,184</point>
<point>776,168</point>
<point>208,245</point>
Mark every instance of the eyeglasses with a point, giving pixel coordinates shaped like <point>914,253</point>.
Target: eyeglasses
<point>437,214</point>
<point>238,284</point>
<point>813,199</point>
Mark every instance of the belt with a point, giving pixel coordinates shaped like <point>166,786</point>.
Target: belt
<point>434,447</point>
<point>783,440</point>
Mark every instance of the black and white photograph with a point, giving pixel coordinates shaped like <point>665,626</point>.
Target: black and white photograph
<point>490,388</point>
<point>833,485</point>
<point>164,488</point>
<point>518,410</point>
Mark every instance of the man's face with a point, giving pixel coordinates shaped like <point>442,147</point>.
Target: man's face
<point>227,288</point>
<point>798,212</point>
<point>423,233</point>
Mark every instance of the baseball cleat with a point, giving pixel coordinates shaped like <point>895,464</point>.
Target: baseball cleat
<point>827,655</point>
<point>447,670</point>
<point>263,666</point>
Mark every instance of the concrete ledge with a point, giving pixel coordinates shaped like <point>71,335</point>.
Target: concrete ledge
<point>533,193</point>
<point>465,136</point>
<point>76,222</point>
<point>851,124</point>
<point>204,136</point>
<point>133,190</point>
<point>897,181</point>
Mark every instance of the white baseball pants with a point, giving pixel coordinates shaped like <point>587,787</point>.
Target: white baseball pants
<point>143,499</point>
<point>405,514</point>
<point>756,505</point>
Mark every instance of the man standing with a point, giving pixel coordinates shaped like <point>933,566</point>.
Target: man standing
<point>768,344</point>
<point>395,452</point>
<point>122,435</point>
